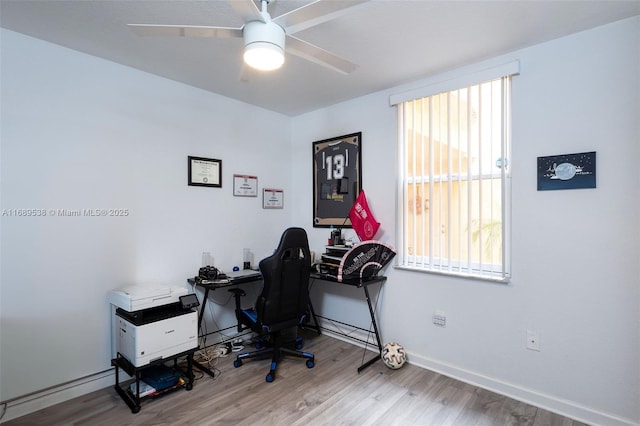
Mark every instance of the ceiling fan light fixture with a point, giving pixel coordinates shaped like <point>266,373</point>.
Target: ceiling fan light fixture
<point>263,56</point>
<point>263,45</point>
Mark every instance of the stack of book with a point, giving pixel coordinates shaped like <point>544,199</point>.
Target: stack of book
<point>145,389</point>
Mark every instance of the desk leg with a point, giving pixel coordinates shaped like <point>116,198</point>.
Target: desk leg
<point>204,303</point>
<point>375,329</point>
<point>316,326</point>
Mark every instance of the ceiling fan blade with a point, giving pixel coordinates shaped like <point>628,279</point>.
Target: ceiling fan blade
<point>247,10</point>
<point>185,31</point>
<point>245,73</point>
<point>314,14</point>
<point>313,53</point>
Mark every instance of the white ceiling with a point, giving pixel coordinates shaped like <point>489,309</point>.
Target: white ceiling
<point>392,41</point>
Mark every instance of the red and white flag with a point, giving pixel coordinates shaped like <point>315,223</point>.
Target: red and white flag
<point>362,219</point>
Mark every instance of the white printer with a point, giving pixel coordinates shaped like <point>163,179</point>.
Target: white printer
<point>138,297</point>
<point>150,323</point>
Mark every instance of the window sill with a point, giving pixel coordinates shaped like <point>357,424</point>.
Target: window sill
<point>497,279</point>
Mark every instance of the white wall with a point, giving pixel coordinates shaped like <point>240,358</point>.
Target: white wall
<point>575,253</point>
<point>79,132</point>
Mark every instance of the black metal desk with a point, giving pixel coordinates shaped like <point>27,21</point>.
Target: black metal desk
<point>209,285</point>
<point>364,284</point>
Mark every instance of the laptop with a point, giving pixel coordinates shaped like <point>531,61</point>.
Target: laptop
<point>243,275</point>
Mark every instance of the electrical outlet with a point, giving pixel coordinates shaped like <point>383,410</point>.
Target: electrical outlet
<point>533,340</point>
<point>439,319</point>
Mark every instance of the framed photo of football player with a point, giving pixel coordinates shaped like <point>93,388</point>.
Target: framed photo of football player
<point>337,177</point>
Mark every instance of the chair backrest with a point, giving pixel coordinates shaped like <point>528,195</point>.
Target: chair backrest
<point>284,299</point>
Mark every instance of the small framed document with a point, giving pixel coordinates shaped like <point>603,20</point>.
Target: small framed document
<point>245,186</point>
<point>272,198</point>
<point>205,172</point>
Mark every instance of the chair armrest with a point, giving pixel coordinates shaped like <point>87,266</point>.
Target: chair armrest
<point>237,294</point>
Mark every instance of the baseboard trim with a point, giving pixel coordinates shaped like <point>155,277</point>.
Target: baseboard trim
<point>38,400</point>
<point>551,403</point>
<point>556,405</point>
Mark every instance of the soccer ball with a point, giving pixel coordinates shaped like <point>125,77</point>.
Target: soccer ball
<point>393,355</point>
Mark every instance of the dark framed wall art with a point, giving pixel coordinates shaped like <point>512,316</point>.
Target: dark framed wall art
<point>568,171</point>
<point>337,179</point>
<point>205,172</point>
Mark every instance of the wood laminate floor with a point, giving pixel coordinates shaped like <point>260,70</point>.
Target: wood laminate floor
<point>332,393</point>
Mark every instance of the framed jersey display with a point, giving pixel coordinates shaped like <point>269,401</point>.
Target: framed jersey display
<point>337,177</point>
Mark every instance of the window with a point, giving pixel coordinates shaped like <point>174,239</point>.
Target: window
<point>454,176</point>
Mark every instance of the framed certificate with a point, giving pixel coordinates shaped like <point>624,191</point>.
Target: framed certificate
<point>245,186</point>
<point>337,177</point>
<point>205,172</point>
<point>272,198</point>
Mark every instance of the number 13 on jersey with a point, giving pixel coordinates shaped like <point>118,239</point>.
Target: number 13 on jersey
<point>336,179</point>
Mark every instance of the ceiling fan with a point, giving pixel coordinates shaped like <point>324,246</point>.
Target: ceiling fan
<point>266,39</point>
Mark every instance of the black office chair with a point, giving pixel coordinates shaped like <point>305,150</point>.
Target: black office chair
<point>283,303</point>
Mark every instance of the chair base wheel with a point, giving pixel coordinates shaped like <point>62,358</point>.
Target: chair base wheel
<point>270,377</point>
<point>237,363</point>
<point>310,363</point>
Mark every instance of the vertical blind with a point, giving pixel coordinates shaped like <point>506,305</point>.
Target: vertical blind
<point>453,192</point>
